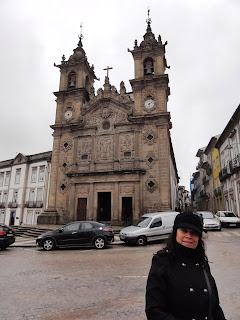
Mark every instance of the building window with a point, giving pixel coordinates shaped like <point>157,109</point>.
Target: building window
<point>2,216</point>
<point>127,154</point>
<point>34,175</point>
<point>1,178</point>
<point>15,194</point>
<point>106,125</point>
<point>31,195</point>
<point>4,200</point>
<point>7,178</point>
<point>17,176</point>
<point>217,161</point>
<point>39,194</point>
<point>41,173</point>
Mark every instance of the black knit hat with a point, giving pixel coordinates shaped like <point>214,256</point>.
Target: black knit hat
<point>188,220</point>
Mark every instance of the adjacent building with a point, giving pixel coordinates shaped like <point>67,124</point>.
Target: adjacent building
<point>24,184</point>
<point>229,148</point>
<point>218,175</point>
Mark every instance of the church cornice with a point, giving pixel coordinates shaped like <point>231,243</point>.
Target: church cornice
<point>100,173</point>
<point>149,117</point>
<point>65,93</point>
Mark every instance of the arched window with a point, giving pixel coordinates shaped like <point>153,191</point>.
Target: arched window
<point>148,66</point>
<point>72,80</point>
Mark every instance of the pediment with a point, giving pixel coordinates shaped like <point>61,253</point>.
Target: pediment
<point>19,159</point>
<point>107,110</point>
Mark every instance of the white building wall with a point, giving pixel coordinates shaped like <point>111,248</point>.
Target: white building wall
<point>15,211</point>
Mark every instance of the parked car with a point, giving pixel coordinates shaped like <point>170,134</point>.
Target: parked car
<point>150,227</point>
<point>79,233</point>
<point>228,219</point>
<point>7,236</point>
<point>210,222</point>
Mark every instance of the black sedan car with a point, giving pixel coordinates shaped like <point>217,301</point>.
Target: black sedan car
<point>79,233</point>
<point>7,236</point>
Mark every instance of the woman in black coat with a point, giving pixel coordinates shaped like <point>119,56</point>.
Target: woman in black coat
<point>180,285</point>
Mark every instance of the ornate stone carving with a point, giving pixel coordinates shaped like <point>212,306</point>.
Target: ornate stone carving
<point>84,149</point>
<point>151,159</point>
<point>127,189</point>
<point>126,142</point>
<point>106,112</point>
<point>150,136</point>
<point>64,166</point>
<point>83,189</point>
<point>63,186</point>
<point>151,184</point>
<point>105,147</point>
<point>100,187</point>
<point>66,144</point>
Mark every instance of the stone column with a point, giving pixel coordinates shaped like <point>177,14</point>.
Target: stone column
<point>90,213</point>
<point>72,200</point>
<point>115,210</point>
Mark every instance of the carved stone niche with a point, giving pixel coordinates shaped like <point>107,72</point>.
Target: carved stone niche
<point>84,149</point>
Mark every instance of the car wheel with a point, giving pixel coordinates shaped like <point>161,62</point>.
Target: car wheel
<point>48,244</point>
<point>141,241</point>
<point>99,243</point>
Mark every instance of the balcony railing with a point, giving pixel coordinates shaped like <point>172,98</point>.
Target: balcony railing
<point>224,174</point>
<point>2,204</point>
<point>12,204</point>
<point>234,165</point>
<point>33,204</point>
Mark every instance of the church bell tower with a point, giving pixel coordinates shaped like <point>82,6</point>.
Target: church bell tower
<point>75,89</point>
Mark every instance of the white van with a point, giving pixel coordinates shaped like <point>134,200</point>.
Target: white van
<point>150,227</point>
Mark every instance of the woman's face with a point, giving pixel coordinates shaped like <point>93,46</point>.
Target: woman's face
<point>187,237</point>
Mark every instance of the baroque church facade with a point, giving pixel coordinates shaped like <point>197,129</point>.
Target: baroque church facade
<point>112,156</point>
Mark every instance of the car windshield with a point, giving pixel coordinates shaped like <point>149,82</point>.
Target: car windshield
<point>207,215</point>
<point>142,222</point>
<point>228,214</point>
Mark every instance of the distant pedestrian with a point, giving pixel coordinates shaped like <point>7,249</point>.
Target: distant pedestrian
<point>201,217</point>
<point>180,285</point>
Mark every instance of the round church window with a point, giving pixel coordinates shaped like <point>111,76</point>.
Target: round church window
<point>106,125</point>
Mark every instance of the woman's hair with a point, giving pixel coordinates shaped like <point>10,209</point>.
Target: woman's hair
<point>171,247</point>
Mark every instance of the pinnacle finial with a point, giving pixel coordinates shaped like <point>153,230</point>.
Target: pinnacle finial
<point>80,37</point>
<point>149,21</point>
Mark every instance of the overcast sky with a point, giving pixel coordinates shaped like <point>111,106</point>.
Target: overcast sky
<point>203,52</point>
